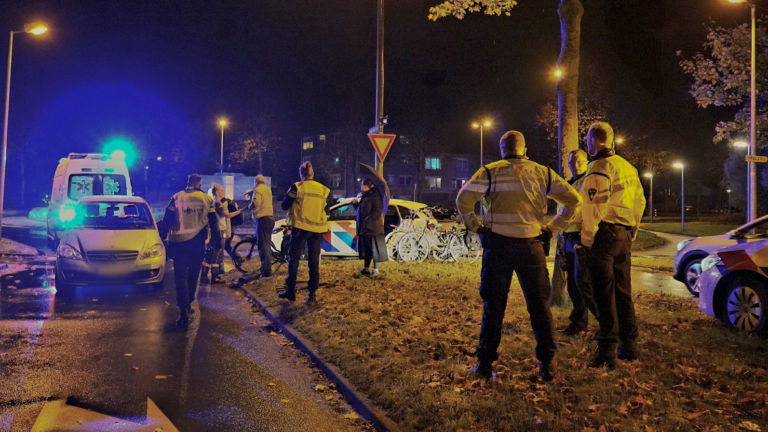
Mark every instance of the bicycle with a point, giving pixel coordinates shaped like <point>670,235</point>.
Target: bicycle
<point>244,249</point>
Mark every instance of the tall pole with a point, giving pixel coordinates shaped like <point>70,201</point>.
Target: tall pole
<point>752,183</point>
<point>481,145</point>
<point>221,164</point>
<point>682,199</point>
<point>651,198</point>
<point>380,78</point>
<point>4,151</point>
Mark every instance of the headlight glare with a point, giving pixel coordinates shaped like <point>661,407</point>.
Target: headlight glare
<point>682,244</point>
<point>70,252</point>
<point>710,262</point>
<point>153,251</point>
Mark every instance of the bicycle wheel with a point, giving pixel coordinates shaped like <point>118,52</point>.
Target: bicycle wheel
<point>391,240</point>
<point>413,247</point>
<point>243,252</point>
<point>460,252</point>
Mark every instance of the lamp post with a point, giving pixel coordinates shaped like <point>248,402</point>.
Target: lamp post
<point>650,176</point>
<point>35,29</point>
<point>482,125</point>
<point>751,171</point>
<point>681,167</point>
<point>222,123</point>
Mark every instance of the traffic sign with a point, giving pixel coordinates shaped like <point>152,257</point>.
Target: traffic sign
<point>374,130</point>
<point>759,159</point>
<point>382,143</point>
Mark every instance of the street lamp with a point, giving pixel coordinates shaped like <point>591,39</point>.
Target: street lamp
<point>741,144</point>
<point>482,125</point>
<point>222,123</point>
<point>35,29</point>
<point>619,140</point>
<point>751,171</point>
<point>558,73</point>
<point>650,176</point>
<point>680,166</point>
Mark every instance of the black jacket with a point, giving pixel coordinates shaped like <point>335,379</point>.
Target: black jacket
<point>369,219</point>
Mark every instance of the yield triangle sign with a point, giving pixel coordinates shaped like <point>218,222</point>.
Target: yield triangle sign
<point>382,143</point>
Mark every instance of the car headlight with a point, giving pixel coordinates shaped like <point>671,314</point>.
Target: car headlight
<point>70,252</point>
<point>682,244</point>
<point>710,262</point>
<point>152,252</point>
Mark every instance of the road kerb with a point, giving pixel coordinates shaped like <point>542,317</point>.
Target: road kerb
<point>359,402</point>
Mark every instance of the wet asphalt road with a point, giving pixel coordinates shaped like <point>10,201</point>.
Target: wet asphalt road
<point>225,373</point>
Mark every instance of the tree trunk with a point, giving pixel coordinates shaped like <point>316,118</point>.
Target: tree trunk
<point>570,12</point>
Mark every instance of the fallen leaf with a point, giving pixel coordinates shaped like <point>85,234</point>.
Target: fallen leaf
<point>284,400</point>
<point>434,384</point>
<point>167,304</point>
<point>142,310</point>
<point>127,354</point>
<point>418,319</point>
<point>351,416</point>
<point>328,397</point>
<point>161,376</point>
<point>273,334</point>
<point>691,416</point>
<point>749,426</point>
<point>135,367</point>
<point>320,387</point>
<point>457,389</point>
<point>272,384</point>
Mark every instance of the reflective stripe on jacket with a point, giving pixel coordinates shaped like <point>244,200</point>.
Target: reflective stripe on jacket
<point>517,202</point>
<point>612,193</point>
<point>191,208</point>
<point>308,210</point>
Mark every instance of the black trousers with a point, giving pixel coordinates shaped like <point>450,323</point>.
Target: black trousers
<point>187,259</point>
<point>525,257</point>
<point>579,282</point>
<point>264,227</point>
<point>610,262</point>
<point>302,240</point>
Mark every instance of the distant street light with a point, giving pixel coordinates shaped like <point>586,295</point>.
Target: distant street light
<point>650,176</point>
<point>558,73</point>
<point>159,158</point>
<point>751,169</point>
<point>35,29</point>
<point>680,166</point>
<point>619,140</point>
<point>222,123</point>
<point>485,124</point>
<point>741,144</point>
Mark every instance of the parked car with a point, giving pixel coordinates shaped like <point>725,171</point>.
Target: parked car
<point>110,240</point>
<point>692,252</point>
<point>733,286</point>
<point>339,240</point>
<point>444,212</point>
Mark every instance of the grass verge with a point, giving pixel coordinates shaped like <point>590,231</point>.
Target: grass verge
<point>647,240</point>
<point>693,228</point>
<point>406,340</point>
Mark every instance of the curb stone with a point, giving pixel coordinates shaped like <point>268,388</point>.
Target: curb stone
<point>359,402</point>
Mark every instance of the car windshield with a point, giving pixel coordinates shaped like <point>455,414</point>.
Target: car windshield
<point>759,226</point>
<point>113,215</point>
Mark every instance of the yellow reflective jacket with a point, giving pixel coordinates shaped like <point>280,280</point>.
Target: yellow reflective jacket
<point>612,193</point>
<point>516,201</point>
<point>575,225</point>
<point>308,210</point>
<point>191,208</point>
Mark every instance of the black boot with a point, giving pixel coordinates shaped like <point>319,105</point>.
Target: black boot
<point>628,350</point>
<point>311,299</point>
<point>602,358</point>
<point>547,371</point>
<point>287,294</point>
<point>573,329</point>
<point>483,370</point>
<point>183,321</point>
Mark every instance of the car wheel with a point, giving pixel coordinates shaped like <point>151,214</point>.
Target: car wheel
<point>691,275</point>
<point>744,306</point>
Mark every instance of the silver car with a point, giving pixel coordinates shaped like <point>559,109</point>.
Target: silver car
<point>110,240</point>
<point>692,252</point>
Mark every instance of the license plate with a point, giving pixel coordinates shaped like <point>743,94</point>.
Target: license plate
<point>113,271</point>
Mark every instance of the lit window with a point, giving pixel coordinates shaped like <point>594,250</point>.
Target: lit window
<point>435,183</point>
<point>307,143</point>
<point>432,163</point>
<point>461,165</point>
<point>335,181</point>
<point>405,180</point>
<point>306,159</point>
<point>322,139</point>
<point>457,183</point>
<point>404,140</point>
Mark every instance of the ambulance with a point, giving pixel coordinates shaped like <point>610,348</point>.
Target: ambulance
<point>80,175</point>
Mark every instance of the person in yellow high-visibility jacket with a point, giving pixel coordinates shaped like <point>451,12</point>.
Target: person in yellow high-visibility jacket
<point>306,203</point>
<point>514,193</point>
<point>613,206</point>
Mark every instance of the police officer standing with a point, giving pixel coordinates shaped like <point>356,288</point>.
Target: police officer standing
<point>264,220</point>
<point>579,282</point>
<point>306,203</point>
<point>514,193</point>
<point>613,206</point>
<point>185,224</point>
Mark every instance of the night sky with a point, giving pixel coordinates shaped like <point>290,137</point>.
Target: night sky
<point>311,64</point>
